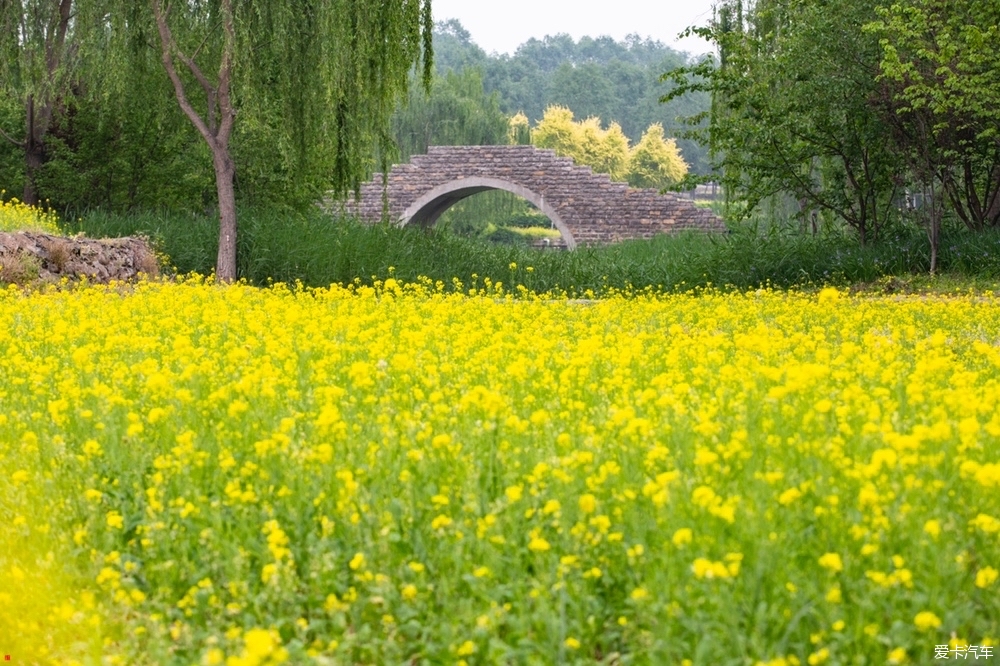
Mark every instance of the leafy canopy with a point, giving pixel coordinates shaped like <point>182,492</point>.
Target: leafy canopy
<point>654,162</point>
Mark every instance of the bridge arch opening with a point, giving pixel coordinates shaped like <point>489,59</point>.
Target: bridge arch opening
<point>428,209</point>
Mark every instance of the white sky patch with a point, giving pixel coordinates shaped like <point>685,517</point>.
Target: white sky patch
<point>503,26</point>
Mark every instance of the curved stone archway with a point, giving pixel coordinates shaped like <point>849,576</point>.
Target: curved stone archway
<point>427,209</point>
<point>587,208</point>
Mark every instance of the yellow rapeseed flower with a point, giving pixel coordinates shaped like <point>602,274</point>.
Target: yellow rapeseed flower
<point>115,520</point>
<point>831,562</point>
<point>926,621</point>
<point>682,537</point>
<point>986,576</point>
<point>897,656</point>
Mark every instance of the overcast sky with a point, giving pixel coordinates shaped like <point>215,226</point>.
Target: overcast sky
<point>503,25</point>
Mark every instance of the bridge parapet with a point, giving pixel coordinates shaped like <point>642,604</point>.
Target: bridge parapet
<point>587,208</point>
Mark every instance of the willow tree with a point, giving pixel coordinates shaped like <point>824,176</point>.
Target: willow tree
<point>319,78</point>
<point>458,112</point>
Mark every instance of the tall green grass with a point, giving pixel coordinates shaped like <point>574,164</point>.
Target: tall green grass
<point>318,250</point>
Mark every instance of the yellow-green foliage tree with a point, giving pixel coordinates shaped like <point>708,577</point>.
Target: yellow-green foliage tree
<point>603,150</point>
<point>655,161</point>
<point>519,130</point>
<point>558,131</point>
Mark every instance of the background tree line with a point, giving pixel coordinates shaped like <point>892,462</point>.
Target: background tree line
<point>859,112</point>
<point>617,81</point>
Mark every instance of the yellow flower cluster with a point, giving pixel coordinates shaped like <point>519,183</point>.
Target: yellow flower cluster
<point>17,216</point>
<point>231,475</point>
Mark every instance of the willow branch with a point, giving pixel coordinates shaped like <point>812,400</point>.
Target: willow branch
<point>166,42</point>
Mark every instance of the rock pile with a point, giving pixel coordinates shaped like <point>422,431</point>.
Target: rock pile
<point>28,257</point>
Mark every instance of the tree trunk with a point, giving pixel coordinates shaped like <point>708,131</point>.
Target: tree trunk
<point>215,127</point>
<point>34,156</point>
<point>225,171</point>
<point>993,210</point>
<point>934,233</point>
<point>934,205</point>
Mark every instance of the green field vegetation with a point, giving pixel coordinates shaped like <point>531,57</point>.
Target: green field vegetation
<point>341,251</point>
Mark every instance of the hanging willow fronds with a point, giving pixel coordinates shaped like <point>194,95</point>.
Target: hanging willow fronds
<point>334,71</point>
<point>322,77</point>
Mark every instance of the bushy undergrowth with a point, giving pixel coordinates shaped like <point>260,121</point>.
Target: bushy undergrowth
<point>317,250</point>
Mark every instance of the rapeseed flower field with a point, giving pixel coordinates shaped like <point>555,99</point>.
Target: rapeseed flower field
<point>197,474</point>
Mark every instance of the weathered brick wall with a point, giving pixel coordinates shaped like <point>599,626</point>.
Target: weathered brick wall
<point>592,207</point>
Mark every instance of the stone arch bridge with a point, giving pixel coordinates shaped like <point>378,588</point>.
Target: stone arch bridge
<point>587,208</point>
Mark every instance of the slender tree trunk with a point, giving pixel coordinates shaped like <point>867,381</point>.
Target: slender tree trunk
<point>215,127</point>
<point>34,156</point>
<point>934,205</point>
<point>993,210</point>
<point>225,172</point>
<point>934,235</point>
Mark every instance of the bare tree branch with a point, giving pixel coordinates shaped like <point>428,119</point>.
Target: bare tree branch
<point>211,91</point>
<point>166,42</point>
<point>19,144</point>
<point>195,70</point>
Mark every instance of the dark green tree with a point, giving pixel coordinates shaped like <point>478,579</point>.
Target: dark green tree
<point>454,49</point>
